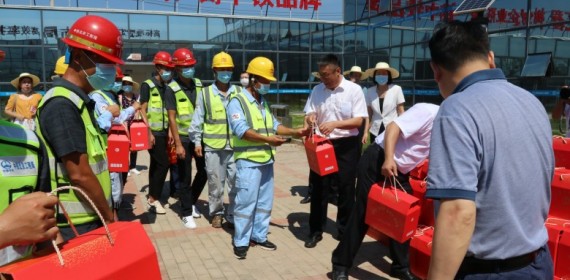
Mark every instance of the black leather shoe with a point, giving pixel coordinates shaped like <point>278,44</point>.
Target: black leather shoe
<point>338,274</point>
<point>403,274</point>
<point>306,200</point>
<point>313,240</point>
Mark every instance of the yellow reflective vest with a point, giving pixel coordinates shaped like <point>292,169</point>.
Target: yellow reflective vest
<point>216,132</point>
<point>79,212</point>
<point>184,107</point>
<point>254,151</point>
<point>156,112</point>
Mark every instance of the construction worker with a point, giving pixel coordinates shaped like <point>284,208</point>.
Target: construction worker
<point>180,102</point>
<point>22,213</point>
<point>76,148</point>
<point>154,111</point>
<point>210,126</point>
<point>107,113</point>
<point>60,68</point>
<point>255,134</point>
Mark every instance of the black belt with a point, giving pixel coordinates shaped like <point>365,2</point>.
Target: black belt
<point>472,265</point>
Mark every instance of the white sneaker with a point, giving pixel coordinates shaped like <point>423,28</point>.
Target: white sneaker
<point>156,207</point>
<point>195,212</point>
<point>135,171</point>
<point>189,222</point>
<point>129,174</point>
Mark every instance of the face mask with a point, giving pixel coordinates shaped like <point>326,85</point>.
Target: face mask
<point>188,72</point>
<point>244,82</point>
<point>128,88</point>
<point>166,75</point>
<point>263,89</point>
<point>224,76</point>
<point>117,86</point>
<point>381,79</point>
<point>104,75</point>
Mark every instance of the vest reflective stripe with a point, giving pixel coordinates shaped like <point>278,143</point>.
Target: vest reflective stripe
<point>216,132</point>
<point>156,112</point>
<point>80,207</point>
<point>96,156</point>
<point>249,150</point>
<point>184,108</point>
<point>19,169</point>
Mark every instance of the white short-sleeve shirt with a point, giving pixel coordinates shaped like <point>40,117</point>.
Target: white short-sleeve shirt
<point>393,97</point>
<point>343,103</point>
<point>415,134</point>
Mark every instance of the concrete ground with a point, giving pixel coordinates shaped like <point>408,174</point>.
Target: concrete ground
<point>206,252</point>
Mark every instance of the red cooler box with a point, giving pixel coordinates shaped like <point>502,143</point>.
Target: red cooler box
<point>420,252</point>
<point>118,149</point>
<point>320,154</point>
<point>560,204</point>
<point>561,148</point>
<point>392,212</point>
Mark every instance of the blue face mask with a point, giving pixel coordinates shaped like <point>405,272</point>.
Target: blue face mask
<point>381,79</point>
<point>104,75</point>
<point>117,87</point>
<point>188,72</point>
<point>224,76</point>
<point>263,89</point>
<point>166,75</point>
<point>128,88</point>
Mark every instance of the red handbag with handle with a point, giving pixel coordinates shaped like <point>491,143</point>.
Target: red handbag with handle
<point>560,189</point>
<point>118,148</point>
<point>120,250</point>
<point>139,134</point>
<point>320,154</point>
<point>392,212</point>
<point>420,252</point>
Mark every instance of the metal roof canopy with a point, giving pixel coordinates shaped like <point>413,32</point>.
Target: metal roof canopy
<point>471,6</point>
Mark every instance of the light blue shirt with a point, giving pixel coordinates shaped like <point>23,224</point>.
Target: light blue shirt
<point>105,119</point>
<point>239,125</point>
<point>197,124</point>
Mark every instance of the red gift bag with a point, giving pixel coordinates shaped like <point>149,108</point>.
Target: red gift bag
<point>118,148</point>
<point>392,212</point>
<point>172,157</point>
<point>555,227</point>
<point>420,252</point>
<point>561,148</point>
<point>562,262</point>
<point>121,250</point>
<point>427,215</point>
<point>139,134</point>
<point>560,203</point>
<point>320,154</point>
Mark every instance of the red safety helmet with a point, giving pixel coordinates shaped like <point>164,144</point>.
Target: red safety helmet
<point>119,74</point>
<point>98,35</point>
<point>183,57</point>
<point>163,58</point>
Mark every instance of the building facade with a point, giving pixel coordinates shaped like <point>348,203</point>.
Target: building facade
<point>362,32</point>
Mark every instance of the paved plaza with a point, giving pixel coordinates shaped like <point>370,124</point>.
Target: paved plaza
<point>206,252</point>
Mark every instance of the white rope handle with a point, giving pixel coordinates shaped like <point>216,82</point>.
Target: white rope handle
<point>396,184</point>
<point>54,192</point>
<point>560,137</point>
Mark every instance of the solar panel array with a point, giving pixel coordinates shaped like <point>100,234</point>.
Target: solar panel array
<point>470,6</point>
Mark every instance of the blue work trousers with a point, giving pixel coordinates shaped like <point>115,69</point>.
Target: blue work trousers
<point>253,204</point>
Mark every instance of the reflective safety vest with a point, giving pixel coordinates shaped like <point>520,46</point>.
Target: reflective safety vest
<point>156,112</point>
<point>19,168</point>
<point>184,107</point>
<point>254,151</point>
<point>79,212</point>
<point>216,129</point>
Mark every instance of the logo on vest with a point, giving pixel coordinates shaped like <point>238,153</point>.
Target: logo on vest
<point>12,166</point>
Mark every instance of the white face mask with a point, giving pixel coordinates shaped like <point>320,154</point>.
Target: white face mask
<point>244,81</point>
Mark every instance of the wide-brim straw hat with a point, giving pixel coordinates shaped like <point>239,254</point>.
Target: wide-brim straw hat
<point>316,75</point>
<point>16,82</point>
<point>358,70</point>
<point>383,66</point>
<point>129,79</point>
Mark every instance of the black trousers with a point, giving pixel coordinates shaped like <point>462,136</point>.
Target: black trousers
<point>133,160</point>
<point>189,189</point>
<point>158,166</point>
<point>347,155</point>
<point>368,174</point>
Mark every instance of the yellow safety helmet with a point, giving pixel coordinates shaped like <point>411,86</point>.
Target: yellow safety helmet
<point>221,60</point>
<point>261,66</point>
<point>60,66</point>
